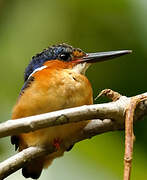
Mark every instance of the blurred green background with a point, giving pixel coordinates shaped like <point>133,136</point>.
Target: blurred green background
<point>27,27</point>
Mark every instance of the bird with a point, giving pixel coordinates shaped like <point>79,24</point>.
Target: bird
<point>54,80</point>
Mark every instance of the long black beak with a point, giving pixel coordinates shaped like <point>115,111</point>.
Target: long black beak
<point>103,56</point>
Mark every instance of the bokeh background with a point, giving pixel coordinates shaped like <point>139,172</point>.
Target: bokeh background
<point>27,27</point>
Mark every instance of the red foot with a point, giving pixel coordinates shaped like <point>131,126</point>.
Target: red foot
<point>56,143</point>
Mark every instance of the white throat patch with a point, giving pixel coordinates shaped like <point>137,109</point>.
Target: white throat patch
<point>81,68</point>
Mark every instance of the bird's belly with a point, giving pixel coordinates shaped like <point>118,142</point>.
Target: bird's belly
<point>46,136</point>
<point>72,90</point>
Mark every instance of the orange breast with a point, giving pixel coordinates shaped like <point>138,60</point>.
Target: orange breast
<point>50,91</point>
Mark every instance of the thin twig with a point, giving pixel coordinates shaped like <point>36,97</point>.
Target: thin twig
<point>114,96</point>
<point>129,135</point>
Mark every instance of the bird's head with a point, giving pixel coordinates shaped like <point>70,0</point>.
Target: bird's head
<point>65,56</point>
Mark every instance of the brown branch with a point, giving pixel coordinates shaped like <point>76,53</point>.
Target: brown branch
<point>129,135</point>
<point>17,161</point>
<point>129,139</point>
<point>108,117</point>
<point>113,110</point>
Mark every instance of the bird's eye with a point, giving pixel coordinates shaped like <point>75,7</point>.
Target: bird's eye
<point>65,56</point>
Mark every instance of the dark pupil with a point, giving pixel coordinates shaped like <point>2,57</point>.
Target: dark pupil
<point>65,57</point>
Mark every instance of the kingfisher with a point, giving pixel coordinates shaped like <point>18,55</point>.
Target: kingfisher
<point>54,80</point>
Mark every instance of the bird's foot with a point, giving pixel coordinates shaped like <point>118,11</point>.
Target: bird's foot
<point>57,143</point>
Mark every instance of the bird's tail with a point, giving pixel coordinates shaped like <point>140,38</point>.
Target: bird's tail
<point>33,169</point>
